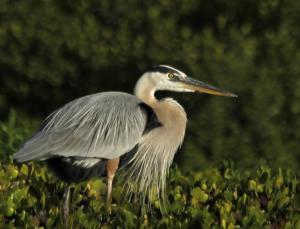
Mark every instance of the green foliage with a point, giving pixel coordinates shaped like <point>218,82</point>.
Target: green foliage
<point>54,51</point>
<point>31,197</point>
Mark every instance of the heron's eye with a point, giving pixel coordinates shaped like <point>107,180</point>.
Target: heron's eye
<point>171,75</point>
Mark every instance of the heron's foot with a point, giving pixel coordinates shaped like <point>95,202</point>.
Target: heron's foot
<point>108,208</point>
<point>66,215</point>
<point>66,206</point>
<point>108,205</point>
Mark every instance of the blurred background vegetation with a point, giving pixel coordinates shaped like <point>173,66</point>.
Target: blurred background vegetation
<point>54,51</point>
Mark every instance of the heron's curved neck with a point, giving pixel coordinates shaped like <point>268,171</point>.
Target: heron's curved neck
<point>145,90</point>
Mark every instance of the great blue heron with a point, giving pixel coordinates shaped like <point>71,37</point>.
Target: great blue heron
<point>96,134</point>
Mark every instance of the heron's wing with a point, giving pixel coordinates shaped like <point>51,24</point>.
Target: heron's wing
<point>103,125</point>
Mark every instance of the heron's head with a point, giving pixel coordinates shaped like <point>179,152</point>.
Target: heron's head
<point>163,77</point>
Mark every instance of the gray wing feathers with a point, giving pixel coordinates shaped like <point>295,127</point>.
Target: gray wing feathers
<point>103,125</point>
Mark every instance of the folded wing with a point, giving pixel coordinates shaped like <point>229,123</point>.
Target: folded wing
<point>103,125</point>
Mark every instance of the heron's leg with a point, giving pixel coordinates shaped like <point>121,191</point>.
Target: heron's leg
<point>66,199</point>
<point>111,168</point>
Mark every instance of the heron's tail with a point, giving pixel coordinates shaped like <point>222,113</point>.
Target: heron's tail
<point>34,149</point>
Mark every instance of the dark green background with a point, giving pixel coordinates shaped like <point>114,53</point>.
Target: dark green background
<point>53,51</point>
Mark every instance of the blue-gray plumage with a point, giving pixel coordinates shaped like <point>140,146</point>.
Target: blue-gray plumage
<point>103,125</point>
<point>93,135</point>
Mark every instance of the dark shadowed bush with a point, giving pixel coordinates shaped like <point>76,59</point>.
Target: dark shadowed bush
<point>54,51</point>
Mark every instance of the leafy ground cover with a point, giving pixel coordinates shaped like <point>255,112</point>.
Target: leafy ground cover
<point>223,197</point>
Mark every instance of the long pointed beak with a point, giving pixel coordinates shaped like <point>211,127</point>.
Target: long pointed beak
<point>195,85</point>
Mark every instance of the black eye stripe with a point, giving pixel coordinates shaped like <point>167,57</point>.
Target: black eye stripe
<point>163,69</point>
